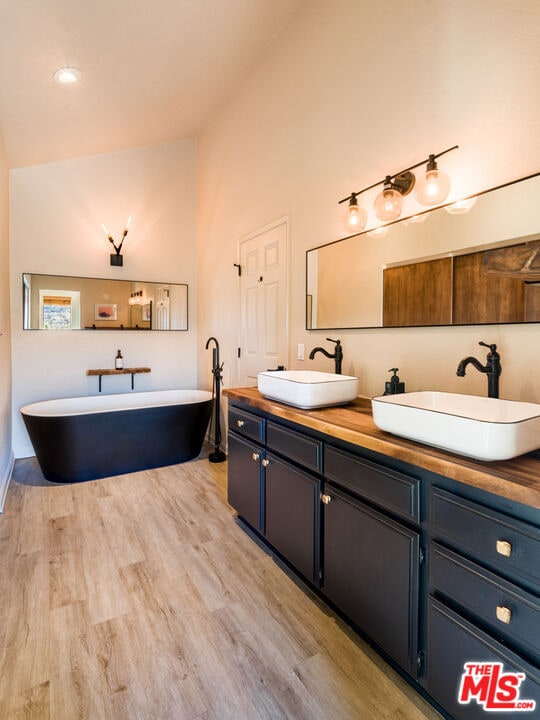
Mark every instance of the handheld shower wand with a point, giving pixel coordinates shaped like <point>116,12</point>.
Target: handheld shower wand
<point>218,455</point>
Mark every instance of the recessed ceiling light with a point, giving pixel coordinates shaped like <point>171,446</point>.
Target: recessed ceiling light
<point>67,75</point>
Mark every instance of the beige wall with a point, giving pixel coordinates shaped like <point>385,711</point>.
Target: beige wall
<point>5,347</point>
<point>351,91</point>
<point>56,216</point>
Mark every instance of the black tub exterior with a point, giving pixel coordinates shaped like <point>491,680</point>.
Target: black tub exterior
<point>73,448</point>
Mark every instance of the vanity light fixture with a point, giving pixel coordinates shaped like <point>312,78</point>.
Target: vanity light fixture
<point>117,258</point>
<point>136,298</point>
<point>430,189</point>
<point>67,75</point>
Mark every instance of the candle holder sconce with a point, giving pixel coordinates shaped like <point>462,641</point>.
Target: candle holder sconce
<point>116,259</point>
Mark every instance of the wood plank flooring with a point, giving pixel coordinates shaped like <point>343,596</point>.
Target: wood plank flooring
<point>140,597</point>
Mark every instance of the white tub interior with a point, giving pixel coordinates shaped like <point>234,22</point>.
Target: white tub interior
<point>114,403</point>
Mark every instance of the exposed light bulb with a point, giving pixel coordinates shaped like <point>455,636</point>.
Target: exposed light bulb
<point>356,217</point>
<point>67,75</point>
<point>415,219</point>
<point>388,203</point>
<point>461,206</point>
<point>434,186</point>
<point>378,232</point>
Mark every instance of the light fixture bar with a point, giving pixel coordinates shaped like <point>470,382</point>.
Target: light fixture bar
<point>401,172</point>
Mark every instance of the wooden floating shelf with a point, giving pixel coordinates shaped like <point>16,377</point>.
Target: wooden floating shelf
<point>124,371</point>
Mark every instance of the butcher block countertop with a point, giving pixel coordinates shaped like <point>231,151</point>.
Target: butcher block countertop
<point>517,479</point>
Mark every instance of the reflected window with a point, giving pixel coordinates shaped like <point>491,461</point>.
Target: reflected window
<point>59,309</point>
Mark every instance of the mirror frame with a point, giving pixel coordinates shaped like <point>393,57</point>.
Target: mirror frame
<point>471,249</point>
<point>122,328</point>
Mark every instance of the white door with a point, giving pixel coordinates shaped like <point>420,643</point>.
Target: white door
<point>263,301</point>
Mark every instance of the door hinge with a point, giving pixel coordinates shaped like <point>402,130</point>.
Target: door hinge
<point>420,657</point>
<point>238,352</point>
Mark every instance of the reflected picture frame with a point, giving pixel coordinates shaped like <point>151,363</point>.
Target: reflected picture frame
<point>105,311</point>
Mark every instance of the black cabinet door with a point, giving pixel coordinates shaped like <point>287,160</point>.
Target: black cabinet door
<point>497,676</point>
<point>245,480</point>
<point>370,571</point>
<point>292,515</point>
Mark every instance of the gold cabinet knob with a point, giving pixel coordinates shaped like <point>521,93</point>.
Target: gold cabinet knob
<point>326,499</point>
<point>255,456</point>
<point>265,462</point>
<point>504,548</point>
<point>504,614</point>
<point>240,423</point>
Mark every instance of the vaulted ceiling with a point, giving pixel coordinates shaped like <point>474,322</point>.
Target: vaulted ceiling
<point>152,70</point>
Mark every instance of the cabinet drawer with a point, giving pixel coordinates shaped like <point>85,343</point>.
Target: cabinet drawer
<point>506,610</point>
<point>301,449</point>
<point>393,490</point>
<point>452,642</point>
<point>246,423</point>
<point>507,546</point>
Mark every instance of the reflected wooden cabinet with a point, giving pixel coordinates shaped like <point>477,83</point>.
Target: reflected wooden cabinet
<point>457,290</point>
<point>493,298</point>
<point>418,294</point>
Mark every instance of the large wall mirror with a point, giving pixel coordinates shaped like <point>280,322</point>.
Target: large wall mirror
<point>478,267</point>
<point>58,302</point>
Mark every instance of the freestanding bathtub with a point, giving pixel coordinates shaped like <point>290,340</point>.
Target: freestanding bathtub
<point>91,437</point>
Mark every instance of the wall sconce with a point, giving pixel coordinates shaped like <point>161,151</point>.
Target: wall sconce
<point>117,258</point>
<point>431,188</point>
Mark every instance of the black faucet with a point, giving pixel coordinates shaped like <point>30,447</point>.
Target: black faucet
<point>218,455</point>
<point>492,368</point>
<point>337,356</point>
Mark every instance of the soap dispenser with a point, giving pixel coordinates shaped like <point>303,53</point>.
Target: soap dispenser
<point>394,386</point>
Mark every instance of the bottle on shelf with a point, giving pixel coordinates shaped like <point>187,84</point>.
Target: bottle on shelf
<point>119,361</point>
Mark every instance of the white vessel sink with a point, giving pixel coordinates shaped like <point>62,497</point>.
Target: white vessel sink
<point>478,427</point>
<point>307,389</point>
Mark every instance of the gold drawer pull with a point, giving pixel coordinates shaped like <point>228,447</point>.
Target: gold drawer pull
<point>265,462</point>
<point>255,456</point>
<point>504,614</point>
<point>240,423</point>
<point>326,499</point>
<point>504,548</point>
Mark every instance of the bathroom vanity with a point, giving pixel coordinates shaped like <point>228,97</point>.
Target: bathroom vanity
<point>434,558</point>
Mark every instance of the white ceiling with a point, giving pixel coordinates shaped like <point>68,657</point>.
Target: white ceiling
<point>152,70</point>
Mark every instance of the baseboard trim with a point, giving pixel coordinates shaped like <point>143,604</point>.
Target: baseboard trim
<point>5,480</point>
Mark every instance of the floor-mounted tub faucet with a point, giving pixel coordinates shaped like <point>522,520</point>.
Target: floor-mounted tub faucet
<point>337,356</point>
<point>218,455</point>
<point>492,368</point>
